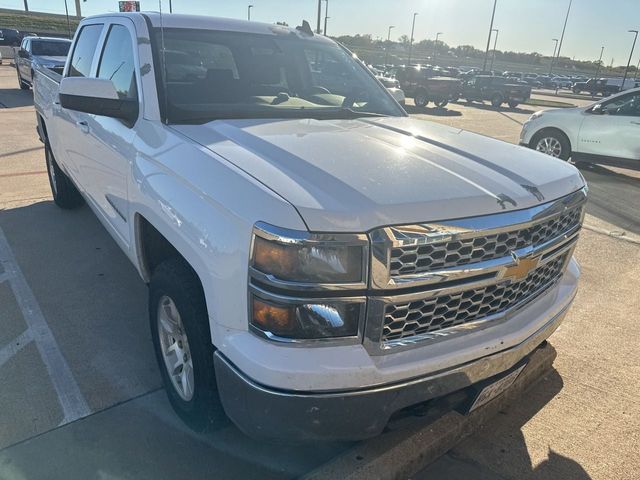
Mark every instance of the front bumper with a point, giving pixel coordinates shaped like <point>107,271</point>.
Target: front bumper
<point>267,412</point>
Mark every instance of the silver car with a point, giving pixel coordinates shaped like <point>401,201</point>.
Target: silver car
<point>40,51</point>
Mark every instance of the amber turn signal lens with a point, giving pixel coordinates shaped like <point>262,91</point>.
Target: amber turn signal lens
<point>272,318</point>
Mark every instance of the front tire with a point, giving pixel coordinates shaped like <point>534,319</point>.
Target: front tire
<point>552,142</point>
<point>182,341</point>
<point>421,99</point>
<point>65,194</point>
<point>441,103</point>
<point>496,101</point>
<point>513,104</point>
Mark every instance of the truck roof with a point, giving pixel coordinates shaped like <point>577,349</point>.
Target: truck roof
<point>177,20</point>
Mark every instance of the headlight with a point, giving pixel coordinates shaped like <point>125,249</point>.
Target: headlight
<point>290,275</point>
<point>311,319</point>
<point>302,257</point>
<point>536,115</point>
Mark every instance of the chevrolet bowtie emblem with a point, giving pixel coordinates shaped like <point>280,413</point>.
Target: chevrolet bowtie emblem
<point>522,268</point>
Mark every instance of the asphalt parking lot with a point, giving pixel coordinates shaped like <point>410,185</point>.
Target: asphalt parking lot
<point>80,395</point>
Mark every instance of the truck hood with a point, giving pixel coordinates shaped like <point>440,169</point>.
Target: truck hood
<point>355,175</point>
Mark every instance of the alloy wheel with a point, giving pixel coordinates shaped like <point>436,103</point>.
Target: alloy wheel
<point>550,146</point>
<point>175,348</point>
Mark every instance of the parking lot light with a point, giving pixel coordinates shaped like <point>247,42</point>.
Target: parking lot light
<point>555,47</point>
<point>435,47</point>
<point>495,43</point>
<point>413,26</point>
<point>326,16</point>
<point>249,7</point>
<point>386,50</point>
<point>599,62</point>
<point>564,27</point>
<point>486,53</point>
<point>633,46</point>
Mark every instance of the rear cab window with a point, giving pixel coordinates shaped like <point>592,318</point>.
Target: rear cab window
<point>84,50</point>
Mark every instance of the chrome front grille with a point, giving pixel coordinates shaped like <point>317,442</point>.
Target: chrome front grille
<point>440,312</point>
<point>413,259</point>
<point>434,280</point>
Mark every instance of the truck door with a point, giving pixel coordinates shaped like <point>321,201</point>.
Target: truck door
<point>70,146</point>
<point>613,129</point>
<point>24,61</point>
<point>109,140</point>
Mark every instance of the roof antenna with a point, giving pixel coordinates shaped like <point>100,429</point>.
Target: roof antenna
<point>164,68</point>
<point>305,28</point>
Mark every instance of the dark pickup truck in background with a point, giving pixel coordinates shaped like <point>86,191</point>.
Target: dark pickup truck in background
<point>425,85</point>
<point>497,90</point>
<point>604,86</point>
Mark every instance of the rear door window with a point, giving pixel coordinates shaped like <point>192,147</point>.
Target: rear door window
<point>84,50</point>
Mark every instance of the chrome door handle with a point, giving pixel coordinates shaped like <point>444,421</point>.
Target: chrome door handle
<point>84,126</point>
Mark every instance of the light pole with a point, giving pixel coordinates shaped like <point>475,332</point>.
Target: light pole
<point>66,9</point>
<point>435,47</point>
<point>599,62</point>
<point>413,26</point>
<point>486,53</point>
<point>495,42</point>
<point>564,27</point>
<point>319,16</point>
<point>555,47</point>
<point>170,6</point>
<point>626,70</point>
<point>326,16</point>
<point>249,7</point>
<point>386,50</point>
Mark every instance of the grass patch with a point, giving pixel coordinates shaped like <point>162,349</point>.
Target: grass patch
<point>548,103</point>
<point>32,22</point>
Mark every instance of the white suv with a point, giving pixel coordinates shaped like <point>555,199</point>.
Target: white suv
<point>605,132</point>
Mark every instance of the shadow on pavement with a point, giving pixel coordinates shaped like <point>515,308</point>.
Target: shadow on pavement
<point>94,303</point>
<point>499,451</point>
<point>144,439</point>
<point>504,108</point>
<point>613,196</point>
<point>15,97</point>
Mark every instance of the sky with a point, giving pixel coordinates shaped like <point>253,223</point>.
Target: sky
<point>525,25</point>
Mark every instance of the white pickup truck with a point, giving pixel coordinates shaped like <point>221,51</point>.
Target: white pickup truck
<point>317,261</point>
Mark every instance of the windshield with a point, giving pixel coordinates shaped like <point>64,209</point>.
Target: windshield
<point>213,74</point>
<point>50,48</point>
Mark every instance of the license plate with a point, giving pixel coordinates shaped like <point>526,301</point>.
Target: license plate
<point>494,389</point>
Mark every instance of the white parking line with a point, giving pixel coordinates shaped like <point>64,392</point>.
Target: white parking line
<point>73,403</point>
<point>15,346</point>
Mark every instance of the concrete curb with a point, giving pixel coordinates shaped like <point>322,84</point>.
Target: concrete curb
<point>603,227</point>
<point>401,453</point>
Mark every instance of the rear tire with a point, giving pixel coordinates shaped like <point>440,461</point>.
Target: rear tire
<point>496,101</point>
<point>552,142</point>
<point>182,341</point>
<point>420,99</point>
<point>65,194</point>
<point>22,83</point>
<point>513,104</point>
